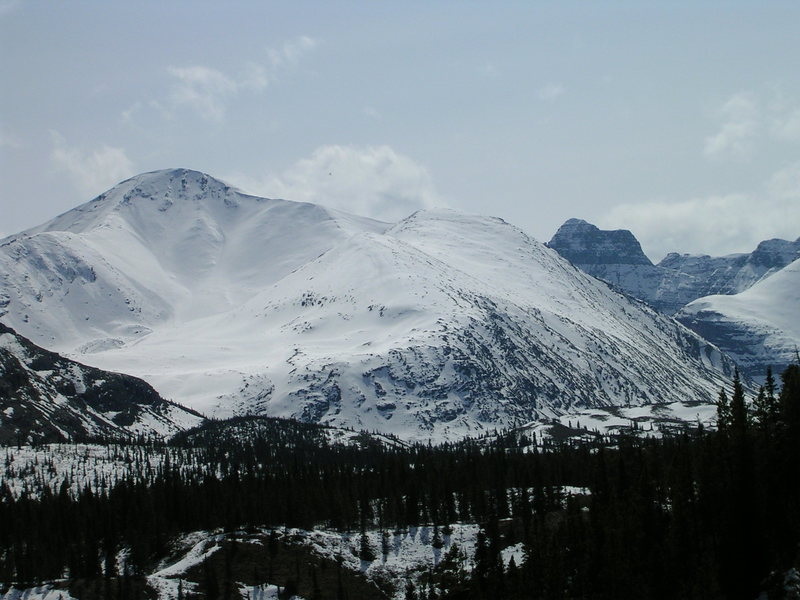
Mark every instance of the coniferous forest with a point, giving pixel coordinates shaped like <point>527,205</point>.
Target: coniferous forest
<point>693,514</point>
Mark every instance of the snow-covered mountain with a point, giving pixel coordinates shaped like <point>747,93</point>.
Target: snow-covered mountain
<point>733,273</point>
<point>760,327</point>
<point>616,257</point>
<point>441,325</point>
<point>47,398</point>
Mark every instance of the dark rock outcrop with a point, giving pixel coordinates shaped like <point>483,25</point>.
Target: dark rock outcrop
<point>45,397</point>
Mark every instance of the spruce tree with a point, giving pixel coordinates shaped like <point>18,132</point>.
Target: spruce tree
<point>761,412</point>
<point>366,552</point>
<point>769,388</point>
<point>411,591</point>
<point>723,411</point>
<point>738,408</point>
<point>789,400</point>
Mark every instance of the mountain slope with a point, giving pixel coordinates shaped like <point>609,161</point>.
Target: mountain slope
<point>47,398</point>
<point>759,327</point>
<point>617,257</point>
<point>439,326</point>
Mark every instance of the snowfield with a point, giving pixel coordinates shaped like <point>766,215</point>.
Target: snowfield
<point>761,325</point>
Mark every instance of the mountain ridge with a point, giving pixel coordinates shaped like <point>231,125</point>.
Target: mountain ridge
<point>441,325</point>
<point>759,326</point>
<point>616,257</point>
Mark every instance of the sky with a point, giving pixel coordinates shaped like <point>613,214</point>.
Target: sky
<point>677,120</point>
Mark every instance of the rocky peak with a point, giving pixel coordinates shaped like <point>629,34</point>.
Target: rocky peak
<point>585,244</point>
<point>775,253</point>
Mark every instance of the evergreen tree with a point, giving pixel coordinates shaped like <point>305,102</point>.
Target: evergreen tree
<point>366,552</point>
<point>738,408</point>
<point>385,545</point>
<point>789,400</point>
<point>761,411</point>
<point>769,389</point>
<point>723,411</point>
<point>411,591</point>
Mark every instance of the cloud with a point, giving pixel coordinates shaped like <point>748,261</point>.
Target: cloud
<point>749,121</point>
<point>372,113</point>
<point>715,225</point>
<point>787,126</point>
<point>785,184</point>
<point>9,6</point>
<point>255,77</point>
<point>291,51</point>
<point>551,91</point>
<point>373,181</point>
<point>206,90</point>
<point>8,140</point>
<point>92,172</point>
<point>202,89</point>
<point>741,117</point>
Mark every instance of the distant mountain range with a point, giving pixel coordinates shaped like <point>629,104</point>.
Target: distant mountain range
<point>759,327</point>
<point>439,326</point>
<point>747,304</point>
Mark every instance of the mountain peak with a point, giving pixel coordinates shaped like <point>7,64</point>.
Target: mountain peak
<point>571,223</point>
<point>443,325</point>
<point>143,199</point>
<point>585,244</point>
<point>170,184</point>
<point>176,176</point>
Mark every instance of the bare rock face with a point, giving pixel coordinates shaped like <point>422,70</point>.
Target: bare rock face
<point>617,257</point>
<point>709,294</point>
<point>582,243</point>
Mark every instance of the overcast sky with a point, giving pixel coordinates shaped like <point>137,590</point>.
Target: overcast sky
<point>677,120</point>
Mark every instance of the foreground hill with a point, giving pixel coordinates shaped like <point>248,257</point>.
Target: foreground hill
<point>439,326</point>
<point>47,398</point>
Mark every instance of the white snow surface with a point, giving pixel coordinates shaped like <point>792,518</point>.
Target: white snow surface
<point>410,553</point>
<point>761,325</point>
<point>42,592</point>
<point>30,469</point>
<point>436,327</point>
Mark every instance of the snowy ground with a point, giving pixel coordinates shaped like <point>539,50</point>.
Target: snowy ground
<point>652,420</point>
<point>42,592</point>
<point>410,554</point>
<point>30,469</point>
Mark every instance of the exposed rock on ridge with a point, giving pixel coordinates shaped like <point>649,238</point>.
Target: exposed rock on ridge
<point>584,244</point>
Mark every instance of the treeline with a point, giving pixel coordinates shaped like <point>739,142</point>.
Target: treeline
<point>696,515</point>
<point>271,473</point>
<point>714,515</point>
